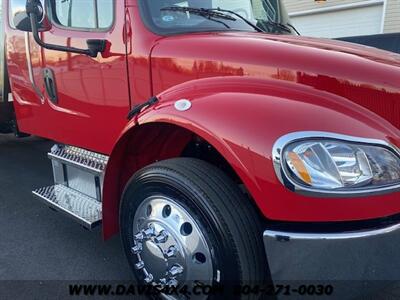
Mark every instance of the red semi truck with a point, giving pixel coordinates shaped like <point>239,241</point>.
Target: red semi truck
<point>220,144</point>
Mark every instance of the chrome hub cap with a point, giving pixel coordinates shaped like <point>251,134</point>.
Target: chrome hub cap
<point>169,246</point>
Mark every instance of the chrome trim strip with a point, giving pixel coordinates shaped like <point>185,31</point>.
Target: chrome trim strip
<point>292,185</point>
<point>83,167</point>
<point>287,236</point>
<point>30,68</point>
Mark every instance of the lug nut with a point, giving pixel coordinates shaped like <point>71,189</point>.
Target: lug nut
<point>162,237</point>
<point>139,265</point>
<point>173,283</point>
<point>175,270</point>
<point>149,232</point>
<point>171,252</point>
<point>138,237</point>
<point>137,248</point>
<point>149,279</point>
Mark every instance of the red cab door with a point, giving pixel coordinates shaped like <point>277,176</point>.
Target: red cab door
<point>86,99</point>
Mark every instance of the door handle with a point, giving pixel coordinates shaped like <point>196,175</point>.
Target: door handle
<point>50,84</point>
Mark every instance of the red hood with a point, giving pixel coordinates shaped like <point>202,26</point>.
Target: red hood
<point>364,75</point>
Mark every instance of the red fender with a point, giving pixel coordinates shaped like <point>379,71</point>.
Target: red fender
<point>242,118</point>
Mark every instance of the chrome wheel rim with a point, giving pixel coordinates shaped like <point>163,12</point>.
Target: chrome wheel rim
<point>169,246</point>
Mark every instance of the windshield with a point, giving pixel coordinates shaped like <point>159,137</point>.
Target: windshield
<point>173,16</point>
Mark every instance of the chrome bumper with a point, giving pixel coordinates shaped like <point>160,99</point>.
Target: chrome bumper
<point>358,256</point>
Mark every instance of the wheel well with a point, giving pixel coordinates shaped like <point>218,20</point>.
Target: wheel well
<point>145,145</point>
<point>159,141</point>
<point>201,149</point>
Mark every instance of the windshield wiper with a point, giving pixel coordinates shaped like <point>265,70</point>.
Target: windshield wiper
<point>211,13</point>
<point>239,16</point>
<point>286,27</point>
<point>294,28</point>
<point>206,13</point>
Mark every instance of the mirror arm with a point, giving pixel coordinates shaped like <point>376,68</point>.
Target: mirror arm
<point>95,46</point>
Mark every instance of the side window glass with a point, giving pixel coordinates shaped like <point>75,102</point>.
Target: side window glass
<point>15,6</point>
<point>62,12</point>
<point>105,13</point>
<point>83,14</point>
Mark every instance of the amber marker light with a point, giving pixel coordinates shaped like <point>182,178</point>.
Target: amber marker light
<point>298,167</point>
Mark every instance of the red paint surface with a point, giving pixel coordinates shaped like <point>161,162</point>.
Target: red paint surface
<point>260,87</point>
<point>93,92</point>
<point>243,117</point>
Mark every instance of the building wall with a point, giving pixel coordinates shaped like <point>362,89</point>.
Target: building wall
<point>301,5</point>
<point>392,21</point>
<point>392,13</point>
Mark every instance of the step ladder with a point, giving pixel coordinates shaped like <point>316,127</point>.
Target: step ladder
<point>78,184</point>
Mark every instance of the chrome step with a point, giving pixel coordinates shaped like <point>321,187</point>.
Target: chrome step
<point>82,208</point>
<point>79,169</point>
<point>80,158</point>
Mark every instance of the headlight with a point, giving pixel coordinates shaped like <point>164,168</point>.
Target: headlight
<point>336,164</point>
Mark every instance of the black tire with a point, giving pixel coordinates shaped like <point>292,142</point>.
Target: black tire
<point>228,219</point>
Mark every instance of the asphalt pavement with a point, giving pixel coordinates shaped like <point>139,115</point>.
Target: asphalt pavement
<point>39,244</point>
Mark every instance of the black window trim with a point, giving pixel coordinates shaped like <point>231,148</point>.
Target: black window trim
<point>54,20</point>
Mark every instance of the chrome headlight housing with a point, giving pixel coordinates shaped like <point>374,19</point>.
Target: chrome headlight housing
<point>320,163</point>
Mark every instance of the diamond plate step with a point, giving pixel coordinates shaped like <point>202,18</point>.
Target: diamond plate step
<point>84,209</point>
<point>84,159</point>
